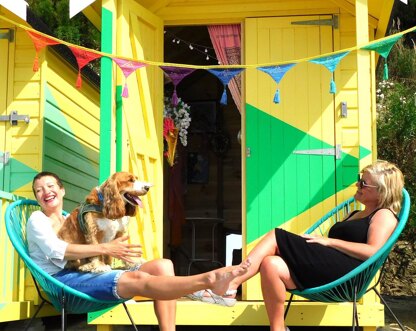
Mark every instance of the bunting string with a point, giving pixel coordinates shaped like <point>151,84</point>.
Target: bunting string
<point>276,69</point>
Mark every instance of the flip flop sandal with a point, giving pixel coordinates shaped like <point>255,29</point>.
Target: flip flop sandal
<point>211,298</point>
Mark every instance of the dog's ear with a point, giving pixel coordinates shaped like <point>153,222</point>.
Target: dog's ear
<point>130,210</point>
<point>113,204</point>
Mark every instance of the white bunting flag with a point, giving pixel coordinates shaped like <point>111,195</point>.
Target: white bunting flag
<point>18,7</point>
<point>75,6</point>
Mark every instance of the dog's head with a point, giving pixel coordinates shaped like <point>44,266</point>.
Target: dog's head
<point>121,194</point>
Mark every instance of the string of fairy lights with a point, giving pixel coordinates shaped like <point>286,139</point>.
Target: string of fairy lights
<point>207,52</point>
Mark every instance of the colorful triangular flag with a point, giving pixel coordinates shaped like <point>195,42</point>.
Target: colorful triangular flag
<point>331,62</point>
<point>277,73</point>
<point>383,48</point>
<point>127,67</point>
<point>225,75</point>
<point>40,42</point>
<point>83,57</point>
<point>176,74</point>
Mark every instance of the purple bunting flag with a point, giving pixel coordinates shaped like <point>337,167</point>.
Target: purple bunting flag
<point>176,74</point>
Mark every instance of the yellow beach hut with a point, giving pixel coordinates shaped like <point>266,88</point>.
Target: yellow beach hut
<point>298,156</point>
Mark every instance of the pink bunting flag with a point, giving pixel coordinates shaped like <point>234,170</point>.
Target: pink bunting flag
<point>83,57</point>
<point>127,67</point>
<point>40,42</point>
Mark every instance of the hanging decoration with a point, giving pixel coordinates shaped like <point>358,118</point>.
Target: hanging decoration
<point>277,73</point>
<point>83,57</point>
<point>383,48</point>
<point>39,42</point>
<point>127,67</point>
<point>176,74</point>
<point>330,62</point>
<point>224,72</point>
<point>225,75</point>
<point>176,121</point>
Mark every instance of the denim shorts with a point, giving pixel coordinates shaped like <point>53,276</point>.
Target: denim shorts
<point>102,286</point>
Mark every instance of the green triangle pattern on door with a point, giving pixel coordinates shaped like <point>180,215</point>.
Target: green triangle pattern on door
<point>281,184</point>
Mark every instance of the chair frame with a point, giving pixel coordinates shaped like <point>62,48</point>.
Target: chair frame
<point>62,297</point>
<point>357,279</point>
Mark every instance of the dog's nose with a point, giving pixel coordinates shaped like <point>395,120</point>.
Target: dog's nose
<point>146,188</point>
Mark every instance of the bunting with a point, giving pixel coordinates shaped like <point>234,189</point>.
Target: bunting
<point>277,73</point>
<point>383,48</point>
<point>225,75</point>
<point>39,42</point>
<point>83,57</point>
<point>331,62</point>
<point>127,67</point>
<point>176,74</point>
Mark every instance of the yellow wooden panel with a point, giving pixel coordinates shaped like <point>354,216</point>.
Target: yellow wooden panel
<point>25,90</point>
<point>250,313</point>
<point>143,115</point>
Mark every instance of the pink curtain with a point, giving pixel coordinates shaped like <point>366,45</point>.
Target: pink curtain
<point>226,40</point>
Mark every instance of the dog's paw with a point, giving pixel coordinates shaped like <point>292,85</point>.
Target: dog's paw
<point>103,268</point>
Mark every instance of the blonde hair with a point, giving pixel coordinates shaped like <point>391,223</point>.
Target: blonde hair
<point>389,181</point>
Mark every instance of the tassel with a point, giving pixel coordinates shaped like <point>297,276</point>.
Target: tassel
<point>386,72</point>
<point>125,93</point>
<point>276,98</point>
<point>332,87</point>
<point>36,63</point>
<point>79,80</point>
<point>175,98</point>
<point>223,100</point>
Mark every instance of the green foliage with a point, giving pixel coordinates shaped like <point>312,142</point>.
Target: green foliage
<point>77,30</point>
<point>396,120</point>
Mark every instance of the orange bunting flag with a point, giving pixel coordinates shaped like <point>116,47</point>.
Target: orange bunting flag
<point>40,42</point>
<point>83,57</point>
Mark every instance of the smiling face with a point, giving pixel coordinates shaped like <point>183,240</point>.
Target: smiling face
<point>49,193</point>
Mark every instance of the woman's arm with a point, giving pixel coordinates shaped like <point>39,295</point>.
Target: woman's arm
<point>118,248</point>
<point>381,227</point>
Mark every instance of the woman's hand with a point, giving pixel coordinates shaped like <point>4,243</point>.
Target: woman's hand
<point>121,249</point>
<point>315,239</point>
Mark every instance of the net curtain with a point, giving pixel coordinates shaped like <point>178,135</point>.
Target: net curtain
<point>226,40</point>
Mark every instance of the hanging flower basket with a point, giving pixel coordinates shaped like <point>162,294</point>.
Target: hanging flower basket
<point>175,126</point>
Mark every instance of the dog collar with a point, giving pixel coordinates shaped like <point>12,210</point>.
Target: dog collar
<point>100,195</point>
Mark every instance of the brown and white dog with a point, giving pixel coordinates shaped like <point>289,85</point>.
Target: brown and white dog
<point>103,217</point>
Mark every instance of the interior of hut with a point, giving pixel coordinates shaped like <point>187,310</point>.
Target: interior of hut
<point>203,187</point>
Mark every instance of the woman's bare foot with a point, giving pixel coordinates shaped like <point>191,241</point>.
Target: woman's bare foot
<point>221,278</point>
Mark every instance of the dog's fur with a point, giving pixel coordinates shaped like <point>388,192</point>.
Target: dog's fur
<point>119,199</point>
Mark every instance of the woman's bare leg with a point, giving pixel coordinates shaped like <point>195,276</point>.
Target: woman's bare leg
<point>144,284</point>
<point>267,246</point>
<point>275,278</point>
<point>165,310</point>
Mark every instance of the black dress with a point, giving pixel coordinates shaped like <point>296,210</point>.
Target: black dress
<point>312,264</point>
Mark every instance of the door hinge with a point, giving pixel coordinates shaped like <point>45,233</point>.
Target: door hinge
<point>337,152</point>
<point>9,35</point>
<point>13,118</point>
<point>330,22</point>
<point>4,159</point>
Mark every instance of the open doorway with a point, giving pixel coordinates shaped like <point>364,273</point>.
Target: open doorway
<point>203,187</point>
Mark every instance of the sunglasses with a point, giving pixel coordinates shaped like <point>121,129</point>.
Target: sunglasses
<point>362,183</point>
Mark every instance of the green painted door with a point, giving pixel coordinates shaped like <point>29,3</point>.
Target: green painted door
<point>289,175</point>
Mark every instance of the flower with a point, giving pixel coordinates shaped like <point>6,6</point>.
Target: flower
<point>179,117</point>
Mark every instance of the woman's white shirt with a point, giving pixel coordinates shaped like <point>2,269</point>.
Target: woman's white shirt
<point>45,248</point>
